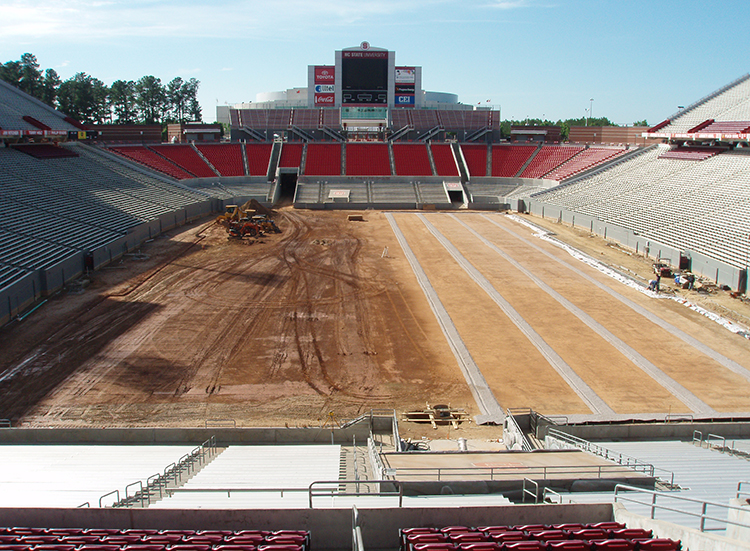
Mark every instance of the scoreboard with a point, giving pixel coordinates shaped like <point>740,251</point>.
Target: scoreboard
<point>364,76</point>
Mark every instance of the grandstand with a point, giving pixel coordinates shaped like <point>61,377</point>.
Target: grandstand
<point>336,315</point>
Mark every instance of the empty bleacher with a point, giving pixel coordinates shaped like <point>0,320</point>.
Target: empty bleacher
<point>730,103</point>
<point>186,158</point>
<point>367,159</point>
<point>323,159</point>
<point>548,158</point>
<point>258,157</point>
<point>534,537</point>
<point>681,204</point>
<point>15,105</point>
<point>726,127</point>
<point>507,160</point>
<point>151,159</point>
<point>137,539</point>
<point>411,159</point>
<point>475,156</point>
<point>445,162</point>
<point>691,153</point>
<point>226,158</point>
<point>291,155</point>
<point>307,119</point>
<point>585,160</point>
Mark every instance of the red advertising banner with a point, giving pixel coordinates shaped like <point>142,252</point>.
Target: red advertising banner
<point>325,74</point>
<point>325,99</point>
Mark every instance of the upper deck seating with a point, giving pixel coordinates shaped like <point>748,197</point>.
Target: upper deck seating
<point>476,159</point>
<point>726,127</point>
<point>226,158</point>
<point>291,155</point>
<point>548,158</point>
<point>185,157</point>
<point>583,161</point>
<point>306,119</point>
<point>145,156</point>
<point>411,159</point>
<point>507,160</point>
<point>323,159</point>
<point>691,153</point>
<point>424,119</point>
<point>445,162</point>
<point>45,151</point>
<point>367,160</point>
<point>258,157</point>
<point>401,118</point>
<point>330,118</point>
<point>731,103</point>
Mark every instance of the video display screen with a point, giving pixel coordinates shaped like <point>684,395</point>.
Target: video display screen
<point>364,77</point>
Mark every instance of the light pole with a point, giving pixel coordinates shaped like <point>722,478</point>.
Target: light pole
<point>587,116</point>
<point>591,108</point>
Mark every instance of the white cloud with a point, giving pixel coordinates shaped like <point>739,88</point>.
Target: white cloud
<point>97,20</point>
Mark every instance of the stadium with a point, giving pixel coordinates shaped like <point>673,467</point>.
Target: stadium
<point>367,321</point>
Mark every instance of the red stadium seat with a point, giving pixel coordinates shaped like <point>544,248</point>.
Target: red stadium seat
<point>434,546</point>
<point>630,533</point>
<point>658,544</point>
<point>489,529</point>
<point>529,545</point>
<point>608,525</point>
<point>569,526</point>
<point>434,537</point>
<point>569,545</point>
<point>509,535</point>
<point>279,547</point>
<point>479,546</point>
<point>612,545</point>
<point>548,535</point>
<point>467,537</point>
<point>589,534</point>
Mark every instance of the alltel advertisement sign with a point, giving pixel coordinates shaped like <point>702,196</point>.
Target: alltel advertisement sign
<point>325,74</point>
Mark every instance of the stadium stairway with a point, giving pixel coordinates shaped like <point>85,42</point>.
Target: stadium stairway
<point>175,476</point>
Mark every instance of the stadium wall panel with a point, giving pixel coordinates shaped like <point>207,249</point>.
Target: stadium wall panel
<point>55,277</point>
<point>17,297</point>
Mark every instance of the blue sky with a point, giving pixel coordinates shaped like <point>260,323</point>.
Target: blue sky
<point>636,58</point>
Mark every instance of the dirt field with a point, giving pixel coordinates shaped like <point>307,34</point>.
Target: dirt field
<point>291,327</point>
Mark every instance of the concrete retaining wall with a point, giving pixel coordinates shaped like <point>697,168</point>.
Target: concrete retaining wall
<point>716,270</point>
<point>653,431</point>
<point>164,436</point>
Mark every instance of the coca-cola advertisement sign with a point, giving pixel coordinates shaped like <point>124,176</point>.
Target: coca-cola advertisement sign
<point>325,99</point>
<point>325,74</point>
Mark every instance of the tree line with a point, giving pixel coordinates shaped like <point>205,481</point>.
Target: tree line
<point>505,126</point>
<point>90,101</point>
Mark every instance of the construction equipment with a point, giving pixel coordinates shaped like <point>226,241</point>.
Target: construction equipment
<point>242,228</point>
<point>439,414</point>
<point>268,225</point>
<point>251,219</point>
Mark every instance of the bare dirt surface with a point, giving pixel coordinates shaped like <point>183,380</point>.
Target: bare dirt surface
<point>328,318</point>
<point>283,330</point>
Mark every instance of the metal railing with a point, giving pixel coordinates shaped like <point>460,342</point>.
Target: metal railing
<point>378,469</point>
<point>703,515</point>
<point>534,494</point>
<point>512,429</point>
<point>510,472</point>
<point>333,491</point>
<point>720,445</point>
<point>617,457</point>
<point>5,424</point>
<point>174,474</point>
<point>332,488</point>
<point>358,543</point>
<point>740,493</point>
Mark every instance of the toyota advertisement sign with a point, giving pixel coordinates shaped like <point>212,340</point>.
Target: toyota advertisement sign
<point>325,74</point>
